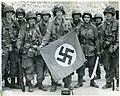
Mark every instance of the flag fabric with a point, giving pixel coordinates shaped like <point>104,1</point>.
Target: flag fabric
<point>63,56</point>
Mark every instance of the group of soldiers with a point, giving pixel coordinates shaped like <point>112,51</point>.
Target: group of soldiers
<point>24,36</point>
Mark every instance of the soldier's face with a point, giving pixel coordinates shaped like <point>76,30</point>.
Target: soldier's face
<point>98,20</point>
<point>108,16</point>
<point>9,14</point>
<point>46,17</point>
<point>87,18</point>
<point>38,17</point>
<point>59,14</point>
<point>20,16</point>
<point>31,21</point>
<point>76,17</point>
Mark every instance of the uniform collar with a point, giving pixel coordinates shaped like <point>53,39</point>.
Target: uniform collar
<point>87,25</point>
<point>21,21</point>
<point>99,25</point>
<point>44,23</point>
<point>56,22</point>
<point>6,19</point>
<point>109,22</point>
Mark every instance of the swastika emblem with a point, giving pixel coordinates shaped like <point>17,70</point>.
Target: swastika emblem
<point>65,55</point>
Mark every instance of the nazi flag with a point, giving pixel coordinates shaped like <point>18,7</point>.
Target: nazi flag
<point>63,56</point>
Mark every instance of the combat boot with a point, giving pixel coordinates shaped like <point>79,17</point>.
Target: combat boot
<point>6,83</point>
<point>30,87</point>
<point>117,85</point>
<point>36,85</point>
<point>42,87</point>
<point>54,87</point>
<point>79,84</point>
<point>107,85</point>
<point>83,80</point>
<point>13,85</point>
<point>68,86</point>
<point>18,80</point>
<point>93,84</point>
<point>97,77</point>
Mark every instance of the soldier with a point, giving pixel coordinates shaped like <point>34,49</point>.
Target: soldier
<point>88,37</point>
<point>5,66</point>
<point>38,16</point>
<point>3,9</point>
<point>98,22</point>
<point>110,47</point>
<point>20,15</point>
<point>76,22</point>
<point>10,29</point>
<point>27,41</point>
<point>39,61</point>
<point>56,29</point>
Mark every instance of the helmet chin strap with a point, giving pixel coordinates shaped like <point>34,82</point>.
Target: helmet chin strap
<point>109,20</point>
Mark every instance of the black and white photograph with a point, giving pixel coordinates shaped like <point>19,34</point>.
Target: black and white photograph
<point>59,48</point>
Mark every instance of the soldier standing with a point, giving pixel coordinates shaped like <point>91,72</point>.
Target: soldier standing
<point>20,15</point>
<point>88,37</point>
<point>76,22</point>
<point>10,29</point>
<point>98,22</point>
<point>57,28</point>
<point>27,42</point>
<point>39,61</point>
<point>110,47</point>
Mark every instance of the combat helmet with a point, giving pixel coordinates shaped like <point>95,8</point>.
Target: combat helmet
<point>98,15</point>
<point>76,12</point>
<point>9,8</point>
<point>58,8</point>
<point>45,12</point>
<point>109,9</point>
<point>30,14</point>
<point>20,10</point>
<point>87,13</point>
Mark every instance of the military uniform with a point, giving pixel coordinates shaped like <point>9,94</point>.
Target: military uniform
<point>10,29</point>
<point>100,32</point>
<point>22,24</point>
<point>27,41</point>
<point>38,59</point>
<point>75,24</point>
<point>55,31</point>
<point>111,48</point>
<point>88,37</point>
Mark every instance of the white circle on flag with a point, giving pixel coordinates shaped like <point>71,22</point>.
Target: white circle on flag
<point>65,55</point>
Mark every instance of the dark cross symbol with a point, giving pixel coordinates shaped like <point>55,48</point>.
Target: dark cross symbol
<point>65,55</point>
